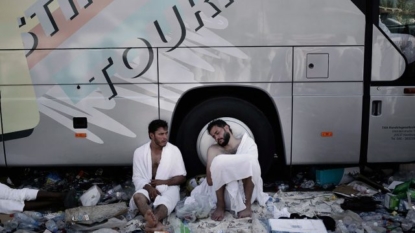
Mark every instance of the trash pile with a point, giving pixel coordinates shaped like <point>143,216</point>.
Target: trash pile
<point>357,203</point>
<point>335,200</point>
<point>102,195</point>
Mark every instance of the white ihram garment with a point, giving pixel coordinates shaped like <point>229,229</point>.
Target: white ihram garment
<point>12,200</point>
<point>229,170</point>
<point>171,165</point>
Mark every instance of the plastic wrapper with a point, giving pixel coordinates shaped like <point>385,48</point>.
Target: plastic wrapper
<point>190,211</point>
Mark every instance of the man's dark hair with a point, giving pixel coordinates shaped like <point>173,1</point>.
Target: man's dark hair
<point>155,125</point>
<point>219,123</point>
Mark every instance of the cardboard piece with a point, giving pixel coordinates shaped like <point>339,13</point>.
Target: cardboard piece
<point>5,217</point>
<point>297,225</point>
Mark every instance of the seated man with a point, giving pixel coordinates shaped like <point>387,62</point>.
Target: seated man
<point>233,173</point>
<point>17,200</point>
<point>158,170</point>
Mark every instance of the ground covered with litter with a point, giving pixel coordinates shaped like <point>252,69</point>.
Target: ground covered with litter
<point>373,202</point>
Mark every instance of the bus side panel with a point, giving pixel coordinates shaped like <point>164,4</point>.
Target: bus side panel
<point>327,123</point>
<point>327,104</point>
<point>392,125</point>
<point>112,133</point>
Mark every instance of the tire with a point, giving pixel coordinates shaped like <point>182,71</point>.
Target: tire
<point>202,114</point>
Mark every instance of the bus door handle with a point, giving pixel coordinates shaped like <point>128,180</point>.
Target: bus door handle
<point>376,108</point>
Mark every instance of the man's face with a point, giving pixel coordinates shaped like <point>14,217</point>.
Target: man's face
<point>221,135</point>
<point>160,137</point>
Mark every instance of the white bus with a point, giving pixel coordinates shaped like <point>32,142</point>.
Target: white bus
<point>313,82</point>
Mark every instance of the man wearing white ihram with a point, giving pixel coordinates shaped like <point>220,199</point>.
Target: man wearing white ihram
<point>233,175</point>
<point>158,170</point>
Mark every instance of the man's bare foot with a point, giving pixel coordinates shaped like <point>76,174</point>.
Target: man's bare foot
<point>158,227</point>
<point>151,220</point>
<point>245,213</point>
<point>218,214</point>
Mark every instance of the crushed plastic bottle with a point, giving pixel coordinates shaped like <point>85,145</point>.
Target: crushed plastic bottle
<point>270,207</point>
<point>61,224</point>
<point>341,227</point>
<point>11,225</point>
<point>23,218</point>
<point>27,226</point>
<point>35,215</point>
<point>411,215</point>
<point>51,226</point>
<point>406,225</point>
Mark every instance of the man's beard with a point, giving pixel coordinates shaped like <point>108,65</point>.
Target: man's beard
<point>160,143</point>
<point>226,137</point>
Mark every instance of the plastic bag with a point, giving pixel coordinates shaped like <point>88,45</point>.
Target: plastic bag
<point>195,209</point>
<point>92,196</point>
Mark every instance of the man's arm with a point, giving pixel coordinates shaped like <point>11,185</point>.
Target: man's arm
<point>211,154</point>
<point>176,180</point>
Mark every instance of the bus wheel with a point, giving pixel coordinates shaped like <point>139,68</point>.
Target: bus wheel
<point>193,139</point>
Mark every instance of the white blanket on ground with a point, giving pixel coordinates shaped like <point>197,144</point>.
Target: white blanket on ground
<point>171,164</point>
<point>228,169</point>
<point>12,200</point>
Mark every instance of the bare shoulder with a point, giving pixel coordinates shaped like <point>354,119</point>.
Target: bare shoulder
<point>215,150</point>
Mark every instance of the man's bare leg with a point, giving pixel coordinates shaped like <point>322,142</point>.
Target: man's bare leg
<point>160,212</point>
<point>43,195</point>
<point>143,206</point>
<point>35,205</point>
<point>248,189</point>
<point>219,212</point>
<point>151,220</point>
<point>154,219</point>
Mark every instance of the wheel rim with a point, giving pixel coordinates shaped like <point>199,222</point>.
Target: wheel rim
<point>204,140</point>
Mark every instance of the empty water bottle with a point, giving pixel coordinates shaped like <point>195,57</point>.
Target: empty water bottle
<point>23,218</point>
<point>28,226</point>
<point>270,207</point>
<point>51,226</point>
<point>11,225</point>
<point>61,224</point>
<point>341,227</point>
<point>406,225</point>
<point>113,191</point>
<point>35,215</point>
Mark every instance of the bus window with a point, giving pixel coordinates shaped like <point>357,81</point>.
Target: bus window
<point>397,20</point>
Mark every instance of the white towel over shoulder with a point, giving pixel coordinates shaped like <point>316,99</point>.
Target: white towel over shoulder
<point>171,164</point>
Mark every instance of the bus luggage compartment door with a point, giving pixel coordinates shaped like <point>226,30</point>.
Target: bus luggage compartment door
<point>391,125</point>
<point>327,105</point>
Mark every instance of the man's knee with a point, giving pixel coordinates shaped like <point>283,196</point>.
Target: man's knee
<point>140,198</point>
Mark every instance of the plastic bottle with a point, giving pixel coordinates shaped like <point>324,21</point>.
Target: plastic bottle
<point>411,215</point>
<point>35,215</point>
<point>270,207</point>
<point>51,226</point>
<point>59,216</point>
<point>11,225</point>
<point>61,224</point>
<point>28,226</point>
<point>367,228</point>
<point>406,225</point>
<point>23,218</point>
<point>342,227</point>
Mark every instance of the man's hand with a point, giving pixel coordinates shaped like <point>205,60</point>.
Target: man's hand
<point>152,192</point>
<point>154,183</point>
<point>209,180</point>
